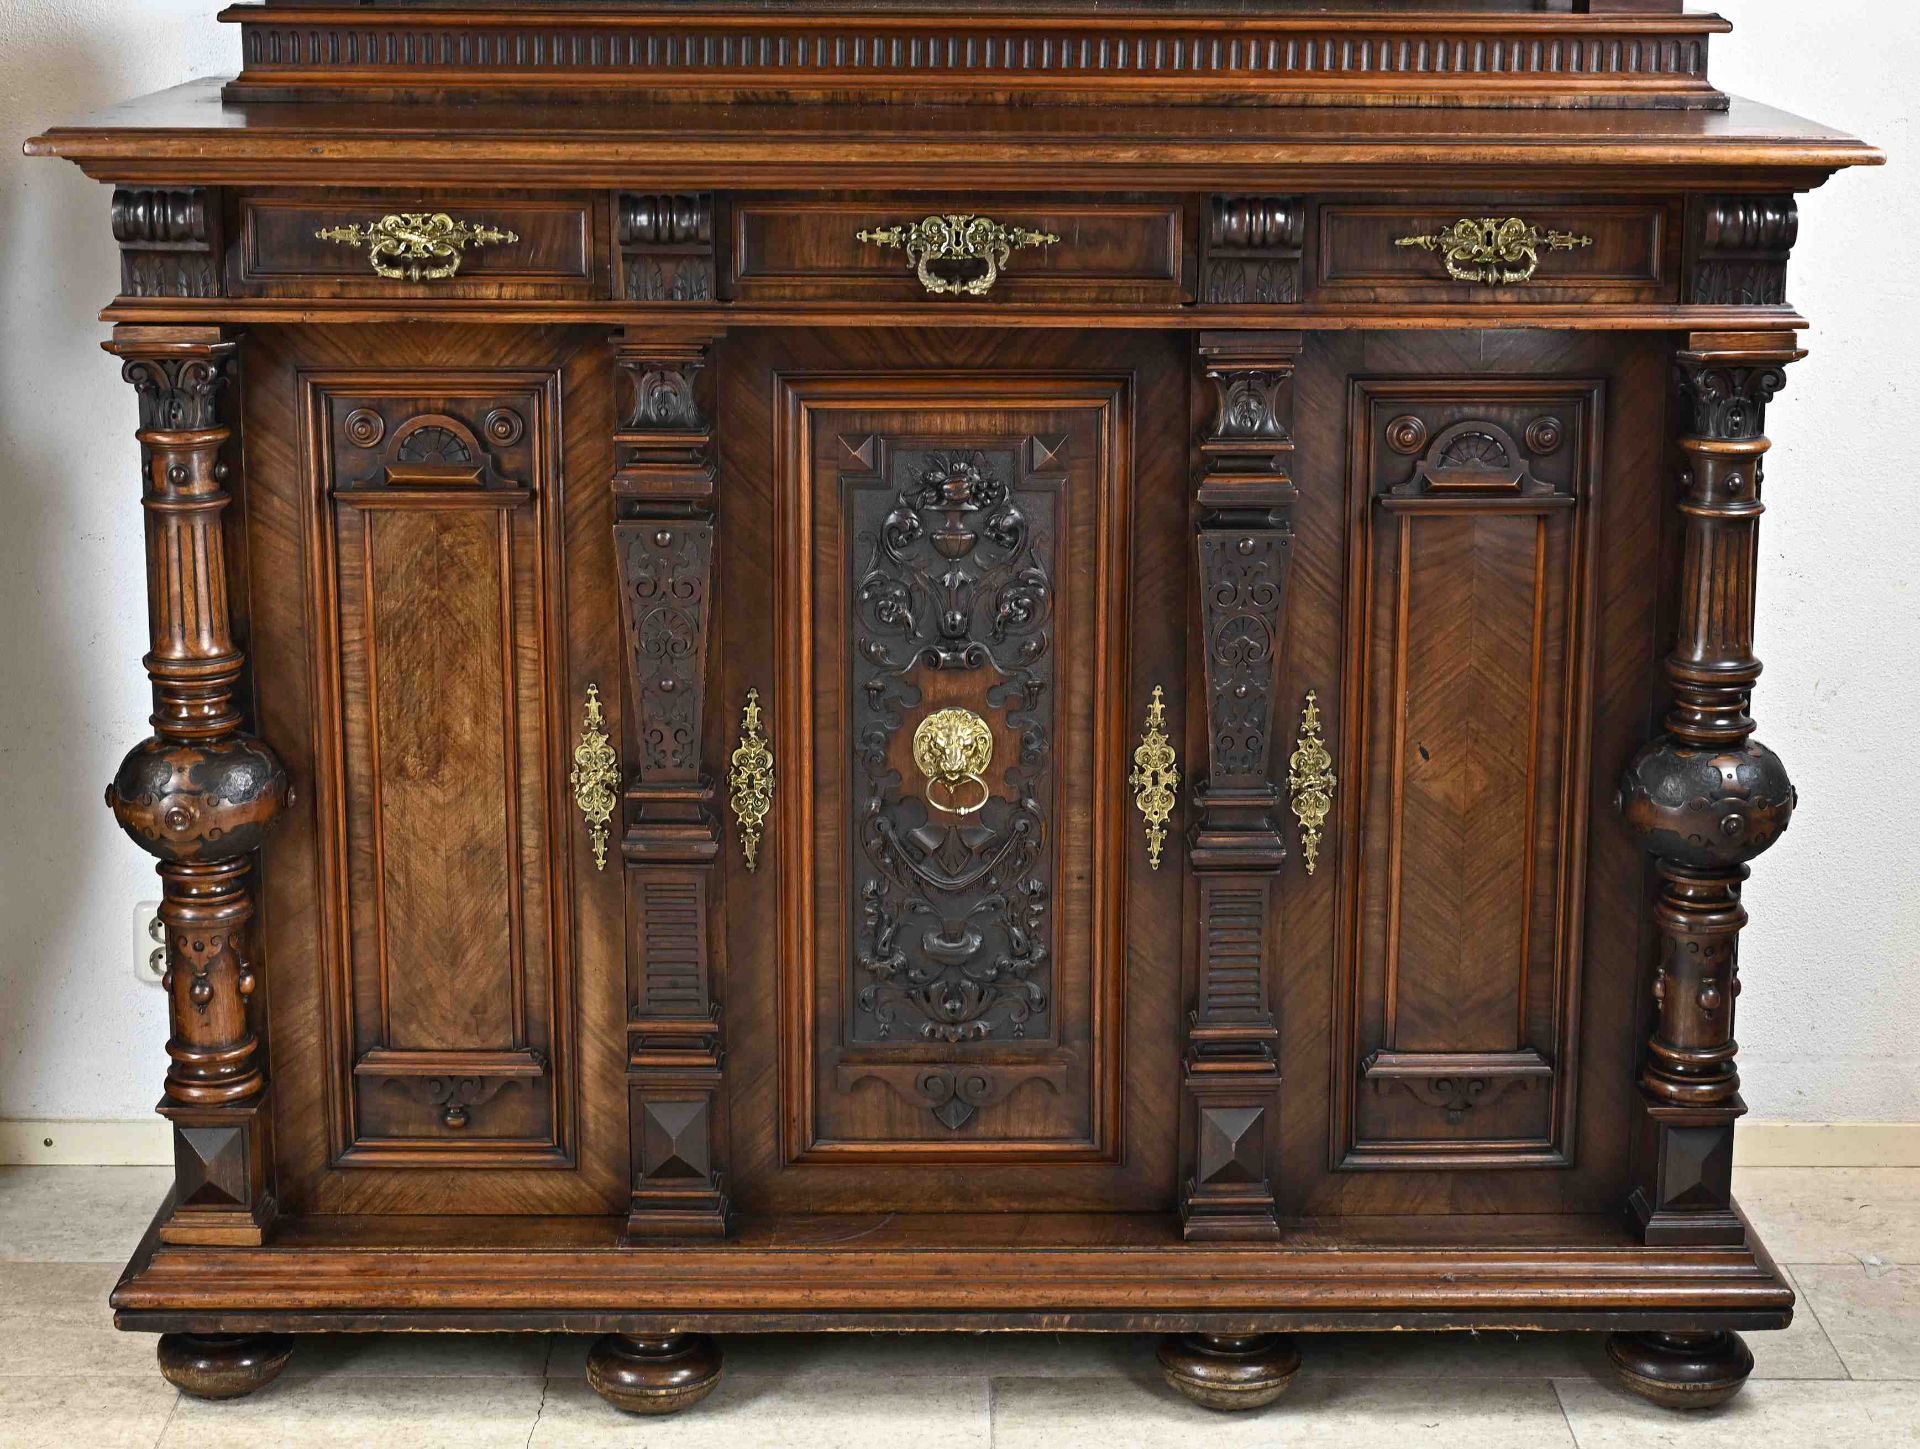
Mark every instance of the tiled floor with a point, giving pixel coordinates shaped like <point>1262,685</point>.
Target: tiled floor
<point>1846,1373</point>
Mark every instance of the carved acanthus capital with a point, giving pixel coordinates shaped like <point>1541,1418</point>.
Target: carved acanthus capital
<point>1727,390</point>
<point>181,388</point>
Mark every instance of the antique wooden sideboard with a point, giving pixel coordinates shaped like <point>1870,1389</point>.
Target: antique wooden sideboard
<point>1029,668</point>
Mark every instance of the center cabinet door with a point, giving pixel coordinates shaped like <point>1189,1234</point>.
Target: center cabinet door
<point>953,571</point>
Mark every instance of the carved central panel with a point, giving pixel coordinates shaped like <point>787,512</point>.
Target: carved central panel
<point>952,583</point>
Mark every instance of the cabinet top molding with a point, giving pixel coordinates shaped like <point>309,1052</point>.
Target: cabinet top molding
<point>1633,54</point>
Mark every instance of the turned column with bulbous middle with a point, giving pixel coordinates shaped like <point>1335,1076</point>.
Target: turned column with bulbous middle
<point>200,794</point>
<point>1705,798</point>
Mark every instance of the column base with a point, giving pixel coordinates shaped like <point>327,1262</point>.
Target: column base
<point>222,1365</point>
<point>1681,1370</point>
<point>1230,1374</point>
<point>653,1374</point>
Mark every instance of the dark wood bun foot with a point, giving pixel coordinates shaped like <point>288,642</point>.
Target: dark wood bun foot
<point>660,1374</point>
<point>1682,1370</point>
<point>1230,1373</point>
<point>223,1365</point>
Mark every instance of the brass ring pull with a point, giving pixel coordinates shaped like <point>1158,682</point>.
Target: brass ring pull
<point>1491,252</point>
<point>972,242</point>
<point>953,748</point>
<point>416,246</point>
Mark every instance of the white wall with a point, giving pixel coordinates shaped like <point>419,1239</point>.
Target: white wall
<point>1830,1021</point>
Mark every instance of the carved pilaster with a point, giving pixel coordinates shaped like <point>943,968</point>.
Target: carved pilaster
<point>1244,541</point>
<point>200,794</point>
<point>1253,251</point>
<point>666,247</point>
<point>1705,798</point>
<point>663,538</point>
<point>171,242</point>
<point>1738,248</point>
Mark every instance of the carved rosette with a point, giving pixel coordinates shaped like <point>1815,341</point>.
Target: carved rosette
<point>1706,798</point>
<point>201,794</point>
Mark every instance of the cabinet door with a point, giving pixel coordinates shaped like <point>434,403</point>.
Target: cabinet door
<point>1458,986</point>
<point>430,604</point>
<point>952,571</point>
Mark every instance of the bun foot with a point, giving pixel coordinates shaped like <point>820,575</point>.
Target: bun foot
<point>1681,1370</point>
<point>222,1365</point>
<point>658,1374</point>
<point>1230,1373</point>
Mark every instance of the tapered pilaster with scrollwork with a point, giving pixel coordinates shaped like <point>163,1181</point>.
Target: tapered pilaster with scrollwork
<point>200,794</point>
<point>1705,798</point>
<point>664,542</point>
<point>1244,541</point>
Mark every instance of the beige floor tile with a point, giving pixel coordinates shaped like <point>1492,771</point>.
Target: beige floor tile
<point>1142,1413</point>
<point>1764,1415</point>
<point>1871,1314</point>
<point>370,1413</point>
<point>421,1355</point>
<point>1800,1351</point>
<point>843,1411</point>
<point>77,1214</point>
<point>54,1319</point>
<point>1834,1214</point>
<point>120,1412</point>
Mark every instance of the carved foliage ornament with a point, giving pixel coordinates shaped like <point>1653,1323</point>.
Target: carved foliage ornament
<point>666,571</point>
<point>179,394</point>
<point>1495,253</point>
<point>416,246</point>
<point>952,574</point>
<point>1243,576</point>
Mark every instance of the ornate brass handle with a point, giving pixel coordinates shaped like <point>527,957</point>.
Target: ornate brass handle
<point>969,241</point>
<point>1310,781</point>
<point>1494,252</point>
<point>953,748</point>
<point>596,776</point>
<point>1156,777</point>
<point>751,780</point>
<point>416,246</point>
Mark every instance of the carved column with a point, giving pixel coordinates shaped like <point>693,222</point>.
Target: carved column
<point>663,537</point>
<point>1244,537</point>
<point>201,793</point>
<point>1705,798</point>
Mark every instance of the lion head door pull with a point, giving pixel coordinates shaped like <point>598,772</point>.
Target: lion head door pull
<point>953,748</point>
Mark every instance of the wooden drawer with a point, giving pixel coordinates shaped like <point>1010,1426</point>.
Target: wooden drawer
<point>1575,252</point>
<point>1107,250</point>
<point>533,247</point>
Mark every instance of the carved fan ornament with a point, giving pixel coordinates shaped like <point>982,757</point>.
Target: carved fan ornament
<point>953,919</point>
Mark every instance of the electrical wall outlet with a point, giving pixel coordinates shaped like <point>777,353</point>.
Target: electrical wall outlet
<point>149,943</point>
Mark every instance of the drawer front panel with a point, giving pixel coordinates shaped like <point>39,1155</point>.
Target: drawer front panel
<point>554,250</point>
<point>812,250</point>
<point>1574,252</point>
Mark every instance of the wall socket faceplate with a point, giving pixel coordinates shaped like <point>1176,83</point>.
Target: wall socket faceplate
<point>149,943</point>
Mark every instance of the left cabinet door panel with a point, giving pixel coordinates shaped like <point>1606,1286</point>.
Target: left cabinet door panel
<point>451,949</point>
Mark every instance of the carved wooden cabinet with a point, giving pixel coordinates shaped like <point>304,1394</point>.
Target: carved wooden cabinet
<point>906,669</point>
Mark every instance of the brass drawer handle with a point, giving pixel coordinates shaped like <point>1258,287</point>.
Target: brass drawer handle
<point>596,776</point>
<point>1310,781</point>
<point>1493,252</point>
<point>751,780</point>
<point>1155,777</point>
<point>968,241</point>
<point>416,246</point>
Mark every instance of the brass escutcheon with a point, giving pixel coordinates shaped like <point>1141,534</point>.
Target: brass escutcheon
<point>954,747</point>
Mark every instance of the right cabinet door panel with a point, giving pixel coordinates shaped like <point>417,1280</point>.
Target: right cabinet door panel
<point>1458,996</point>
